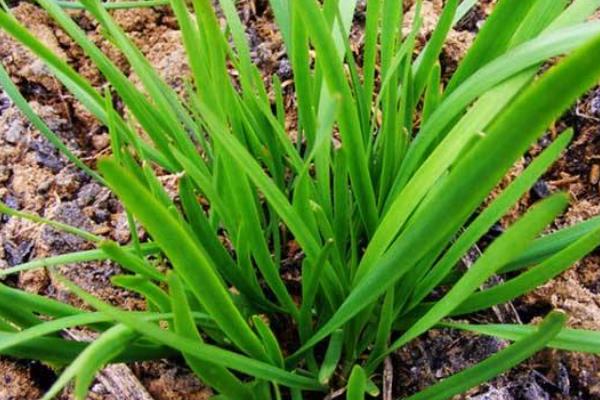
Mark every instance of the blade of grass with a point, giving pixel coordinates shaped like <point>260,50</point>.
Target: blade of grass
<point>13,92</point>
<point>357,384</point>
<point>532,278</point>
<point>478,172</point>
<point>493,38</point>
<point>188,259</point>
<point>549,244</point>
<point>423,66</point>
<point>114,5</point>
<point>521,58</point>
<point>332,356</point>
<point>579,340</point>
<point>150,291</point>
<point>513,241</point>
<point>497,363</point>
<point>490,215</point>
<point>6,210</point>
<point>130,261</point>
<point>74,258</point>
<point>214,375</point>
<point>202,351</point>
<point>348,118</point>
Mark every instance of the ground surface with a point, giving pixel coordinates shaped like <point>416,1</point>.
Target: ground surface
<point>35,178</point>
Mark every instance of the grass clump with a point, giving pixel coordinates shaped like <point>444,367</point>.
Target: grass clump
<point>382,220</point>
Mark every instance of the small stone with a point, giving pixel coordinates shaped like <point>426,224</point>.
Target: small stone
<point>540,189</point>
<point>15,131</point>
<point>100,142</point>
<point>284,69</point>
<point>44,186</point>
<point>11,202</point>
<point>66,183</point>
<point>88,194</point>
<point>5,173</point>
<point>46,155</point>
<point>595,103</point>
<point>17,253</point>
<point>4,103</point>
<point>563,381</point>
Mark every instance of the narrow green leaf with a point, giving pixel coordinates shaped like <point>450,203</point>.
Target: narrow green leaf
<point>202,351</point>
<point>129,261</point>
<point>490,215</point>
<point>533,277</point>
<point>579,340</point>
<point>183,252</point>
<point>493,38</point>
<point>269,339</point>
<point>95,355</point>
<point>139,284</point>
<point>357,384</point>
<point>497,363</point>
<point>214,375</point>
<point>332,356</point>
<point>513,241</point>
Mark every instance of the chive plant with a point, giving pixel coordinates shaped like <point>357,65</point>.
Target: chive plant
<point>382,220</point>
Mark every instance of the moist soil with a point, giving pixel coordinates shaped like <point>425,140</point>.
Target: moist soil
<point>36,178</point>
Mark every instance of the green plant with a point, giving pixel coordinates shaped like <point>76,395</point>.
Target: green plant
<point>382,220</point>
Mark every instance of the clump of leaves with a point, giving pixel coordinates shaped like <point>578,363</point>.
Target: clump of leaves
<point>382,220</point>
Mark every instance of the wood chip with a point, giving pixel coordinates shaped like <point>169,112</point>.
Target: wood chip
<point>118,379</point>
<point>595,174</point>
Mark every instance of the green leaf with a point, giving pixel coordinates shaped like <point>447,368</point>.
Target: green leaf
<point>497,363</point>
<point>269,339</point>
<point>17,98</point>
<point>332,356</point>
<point>493,38</point>
<point>214,375</point>
<point>197,349</point>
<point>73,258</point>
<point>357,384</point>
<point>129,261</point>
<point>532,278</point>
<point>549,244</point>
<point>423,66</point>
<point>348,117</point>
<point>579,340</point>
<point>490,215</point>
<point>188,258</point>
<point>476,173</point>
<point>139,284</point>
<point>513,241</point>
<point>90,360</point>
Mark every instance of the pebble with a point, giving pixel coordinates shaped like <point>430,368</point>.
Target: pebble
<point>17,253</point>
<point>66,183</point>
<point>540,188</point>
<point>100,142</point>
<point>4,103</point>
<point>15,131</point>
<point>595,103</point>
<point>47,155</point>
<point>44,186</point>
<point>5,173</point>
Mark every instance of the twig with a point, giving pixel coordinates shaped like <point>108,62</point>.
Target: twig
<point>118,379</point>
<point>335,395</point>
<point>388,378</point>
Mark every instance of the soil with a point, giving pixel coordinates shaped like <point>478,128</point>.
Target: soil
<point>35,178</point>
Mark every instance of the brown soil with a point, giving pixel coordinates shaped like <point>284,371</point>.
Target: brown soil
<point>34,177</point>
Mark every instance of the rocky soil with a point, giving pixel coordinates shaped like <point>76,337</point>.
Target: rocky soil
<point>35,178</point>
